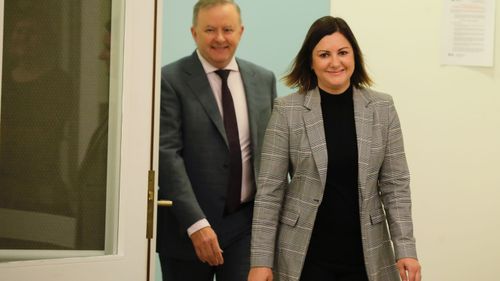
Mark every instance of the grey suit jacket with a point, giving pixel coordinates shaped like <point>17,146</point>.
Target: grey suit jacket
<point>285,210</point>
<point>193,160</point>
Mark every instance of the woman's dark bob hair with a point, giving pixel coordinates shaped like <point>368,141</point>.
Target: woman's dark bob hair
<point>302,76</point>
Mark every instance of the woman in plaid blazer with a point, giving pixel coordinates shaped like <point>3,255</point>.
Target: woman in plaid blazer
<point>333,196</point>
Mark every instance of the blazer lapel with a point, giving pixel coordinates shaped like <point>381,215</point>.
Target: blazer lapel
<point>198,82</point>
<point>363,117</point>
<point>313,120</point>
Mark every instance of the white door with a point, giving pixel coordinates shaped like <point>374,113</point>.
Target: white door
<point>65,215</point>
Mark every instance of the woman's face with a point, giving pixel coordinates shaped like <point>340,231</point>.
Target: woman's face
<point>333,63</point>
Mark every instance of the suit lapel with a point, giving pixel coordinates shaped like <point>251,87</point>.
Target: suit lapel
<point>198,82</point>
<point>313,120</point>
<point>251,88</point>
<point>363,117</point>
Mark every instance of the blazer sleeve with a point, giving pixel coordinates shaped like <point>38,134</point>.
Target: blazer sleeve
<point>173,178</point>
<point>394,187</point>
<point>271,185</point>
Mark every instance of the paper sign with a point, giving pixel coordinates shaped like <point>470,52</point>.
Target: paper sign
<point>468,32</point>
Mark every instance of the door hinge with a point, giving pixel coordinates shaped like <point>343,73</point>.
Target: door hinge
<point>151,204</point>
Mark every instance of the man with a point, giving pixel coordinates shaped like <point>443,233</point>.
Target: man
<point>211,129</point>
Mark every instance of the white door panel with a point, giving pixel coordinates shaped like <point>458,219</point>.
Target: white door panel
<point>131,153</point>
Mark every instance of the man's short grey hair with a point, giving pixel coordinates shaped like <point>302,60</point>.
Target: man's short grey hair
<point>203,4</point>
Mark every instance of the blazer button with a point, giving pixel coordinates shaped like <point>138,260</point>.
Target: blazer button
<point>226,165</point>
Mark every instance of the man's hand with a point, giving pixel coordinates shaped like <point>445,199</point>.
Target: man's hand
<point>260,274</point>
<point>409,269</point>
<point>207,247</point>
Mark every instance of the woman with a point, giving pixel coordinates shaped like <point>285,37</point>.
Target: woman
<point>348,197</point>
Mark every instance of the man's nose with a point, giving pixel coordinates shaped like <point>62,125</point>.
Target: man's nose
<point>220,36</point>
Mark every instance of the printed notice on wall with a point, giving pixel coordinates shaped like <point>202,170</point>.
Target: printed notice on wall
<point>468,32</point>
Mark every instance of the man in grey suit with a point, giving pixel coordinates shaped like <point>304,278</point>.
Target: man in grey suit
<point>214,111</point>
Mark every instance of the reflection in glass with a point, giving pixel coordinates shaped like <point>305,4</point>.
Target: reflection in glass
<point>93,174</point>
<point>53,126</point>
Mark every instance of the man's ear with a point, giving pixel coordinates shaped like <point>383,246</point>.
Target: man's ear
<point>193,32</point>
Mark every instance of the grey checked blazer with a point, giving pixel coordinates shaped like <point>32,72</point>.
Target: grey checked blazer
<point>285,210</point>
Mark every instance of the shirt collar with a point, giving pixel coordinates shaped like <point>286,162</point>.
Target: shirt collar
<point>233,65</point>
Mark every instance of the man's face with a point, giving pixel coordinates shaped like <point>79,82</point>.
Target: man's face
<point>105,54</point>
<point>217,33</point>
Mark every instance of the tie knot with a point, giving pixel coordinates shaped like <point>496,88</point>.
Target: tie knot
<point>223,73</point>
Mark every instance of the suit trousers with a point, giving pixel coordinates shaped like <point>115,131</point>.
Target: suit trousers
<point>235,268</point>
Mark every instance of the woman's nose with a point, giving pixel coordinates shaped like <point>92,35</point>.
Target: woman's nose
<point>334,60</point>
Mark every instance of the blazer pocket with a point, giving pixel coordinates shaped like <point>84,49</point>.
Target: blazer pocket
<point>289,217</point>
<point>377,216</point>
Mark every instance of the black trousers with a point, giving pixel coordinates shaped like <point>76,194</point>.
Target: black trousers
<point>235,268</point>
<point>318,271</point>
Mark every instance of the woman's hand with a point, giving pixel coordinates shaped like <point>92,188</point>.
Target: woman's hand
<point>409,269</point>
<point>260,274</point>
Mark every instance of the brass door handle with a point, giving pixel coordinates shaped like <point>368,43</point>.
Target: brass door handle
<point>165,203</point>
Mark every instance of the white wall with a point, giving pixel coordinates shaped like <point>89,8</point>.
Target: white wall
<point>451,123</point>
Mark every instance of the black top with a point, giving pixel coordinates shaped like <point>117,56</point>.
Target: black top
<point>336,236</point>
